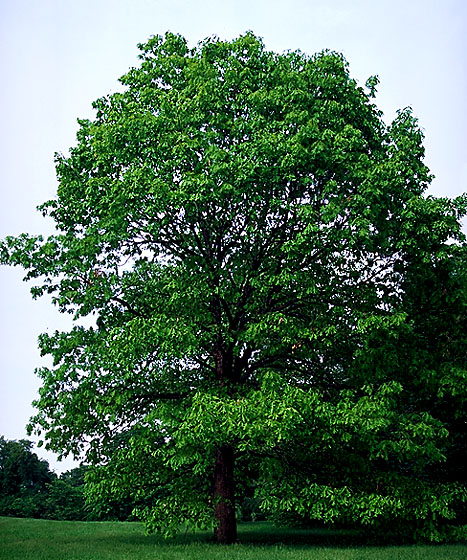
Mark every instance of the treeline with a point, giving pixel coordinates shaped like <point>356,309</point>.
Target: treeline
<point>28,488</point>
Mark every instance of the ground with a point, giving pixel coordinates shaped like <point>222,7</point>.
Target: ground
<point>31,539</point>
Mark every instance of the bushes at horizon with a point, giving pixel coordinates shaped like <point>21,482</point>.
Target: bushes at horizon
<point>28,488</point>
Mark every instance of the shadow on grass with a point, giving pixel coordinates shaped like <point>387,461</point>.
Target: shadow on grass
<point>303,537</point>
<point>263,534</point>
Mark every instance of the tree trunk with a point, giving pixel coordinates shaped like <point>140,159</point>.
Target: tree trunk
<point>224,496</point>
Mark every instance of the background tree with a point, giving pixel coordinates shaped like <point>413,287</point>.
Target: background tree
<point>242,224</point>
<point>29,489</point>
<point>65,498</point>
<point>23,479</point>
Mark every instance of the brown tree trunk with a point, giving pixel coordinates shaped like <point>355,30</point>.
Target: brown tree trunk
<point>224,496</point>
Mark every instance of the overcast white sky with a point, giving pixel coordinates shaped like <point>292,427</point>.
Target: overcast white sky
<point>57,56</point>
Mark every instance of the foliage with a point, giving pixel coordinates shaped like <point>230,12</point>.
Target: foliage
<point>23,479</point>
<point>253,243</point>
<point>109,493</point>
<point>429,357</point>
<point>65,499</point>
<point>29,489</point>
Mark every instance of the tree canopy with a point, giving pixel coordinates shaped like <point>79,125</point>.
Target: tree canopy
<point>257,249</point>
<point>29,489</point>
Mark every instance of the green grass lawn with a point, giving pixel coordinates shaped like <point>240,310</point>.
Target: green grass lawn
<point>31,539</point>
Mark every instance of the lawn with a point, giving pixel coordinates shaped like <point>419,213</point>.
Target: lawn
<point>31,539</point>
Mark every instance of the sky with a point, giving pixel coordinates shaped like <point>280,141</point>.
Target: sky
<point>56,57</point>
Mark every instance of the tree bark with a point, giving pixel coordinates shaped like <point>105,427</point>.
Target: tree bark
<point>224,496</point>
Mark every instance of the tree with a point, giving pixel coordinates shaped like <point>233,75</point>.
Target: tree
<point>23,479</point>
<point>65,498</point>
<point>29,489</point>
<point>241,224</point>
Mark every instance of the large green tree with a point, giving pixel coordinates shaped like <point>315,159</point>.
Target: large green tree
<point>243,227</point>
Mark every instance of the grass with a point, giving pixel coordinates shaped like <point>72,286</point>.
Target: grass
<point>33,539</point>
